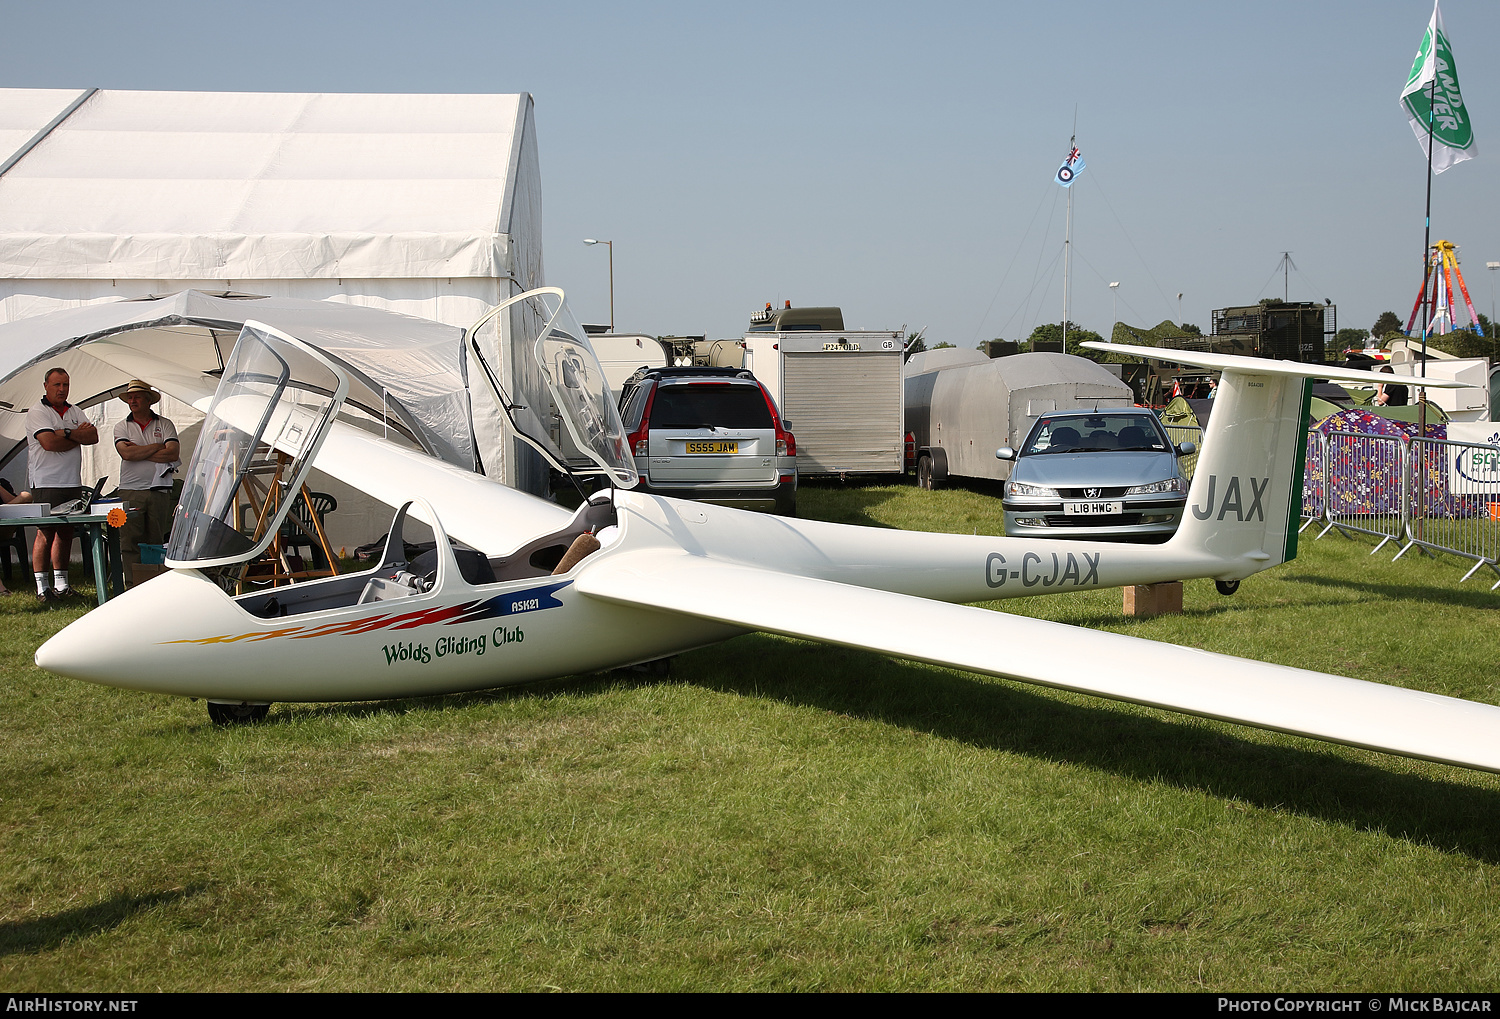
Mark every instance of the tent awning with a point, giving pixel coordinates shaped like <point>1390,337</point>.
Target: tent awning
<point>404,371</point>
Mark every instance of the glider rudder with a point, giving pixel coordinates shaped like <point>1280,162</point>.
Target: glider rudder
<point>1245,500</point>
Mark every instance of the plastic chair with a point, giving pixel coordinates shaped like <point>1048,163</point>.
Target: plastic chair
<point>294,537</point>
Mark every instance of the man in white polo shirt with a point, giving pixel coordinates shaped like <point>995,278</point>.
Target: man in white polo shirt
<point>148,448</point>
<point>56,431</point>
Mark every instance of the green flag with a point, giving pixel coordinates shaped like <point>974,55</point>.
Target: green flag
<point>1433,102</point>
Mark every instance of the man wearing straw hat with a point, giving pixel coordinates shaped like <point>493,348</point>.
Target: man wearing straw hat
<point>149,453</point>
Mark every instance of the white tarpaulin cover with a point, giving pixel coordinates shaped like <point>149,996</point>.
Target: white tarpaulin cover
<point>212,185</point>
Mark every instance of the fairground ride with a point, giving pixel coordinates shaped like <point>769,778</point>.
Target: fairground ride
<point>1439,275</point>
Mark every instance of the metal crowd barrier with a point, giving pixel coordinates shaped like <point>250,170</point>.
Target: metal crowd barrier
<point>1186,433</point>
<point>1455,501</point>
<point>1314,506</point>
<point>1430,494</point>
<point>1364,485</point>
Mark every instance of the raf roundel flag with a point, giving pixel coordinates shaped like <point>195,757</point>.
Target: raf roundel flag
<point>1072,166</point>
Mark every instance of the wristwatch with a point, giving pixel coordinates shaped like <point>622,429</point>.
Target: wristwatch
<point>67,433</point>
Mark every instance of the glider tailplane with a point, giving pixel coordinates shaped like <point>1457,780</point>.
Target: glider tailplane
<point>1246,496</point>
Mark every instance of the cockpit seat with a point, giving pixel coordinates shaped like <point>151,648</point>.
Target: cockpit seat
<point>472,566</point>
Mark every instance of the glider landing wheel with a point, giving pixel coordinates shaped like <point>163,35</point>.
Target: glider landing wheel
<point>924,473</point>
<point>236,714</point>
<point>659,668</point>
<point>1226,587</point>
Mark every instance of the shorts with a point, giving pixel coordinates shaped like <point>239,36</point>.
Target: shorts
<point>56,497</point>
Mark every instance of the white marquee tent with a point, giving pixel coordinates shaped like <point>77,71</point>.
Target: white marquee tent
<point>428,205</point>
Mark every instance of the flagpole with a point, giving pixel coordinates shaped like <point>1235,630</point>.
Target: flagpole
<point>1426,246</point>
<point>1067,260</point>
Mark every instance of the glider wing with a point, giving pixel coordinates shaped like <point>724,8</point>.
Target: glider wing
<point>1322,706</point>
<point>1265,365</point>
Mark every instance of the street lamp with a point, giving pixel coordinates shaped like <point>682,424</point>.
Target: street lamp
<point>1114,308</point>
<point>1492,266</point>
<point>590,240</point>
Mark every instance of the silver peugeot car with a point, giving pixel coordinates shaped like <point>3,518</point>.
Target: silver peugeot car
<point>1106,474</point>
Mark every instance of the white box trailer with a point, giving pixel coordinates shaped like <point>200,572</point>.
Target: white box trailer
<point>840,395</point>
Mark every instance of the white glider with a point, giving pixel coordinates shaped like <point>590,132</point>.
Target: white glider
<point>535,591</point>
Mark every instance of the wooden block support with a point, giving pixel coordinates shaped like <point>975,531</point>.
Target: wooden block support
<point>1144,600</point>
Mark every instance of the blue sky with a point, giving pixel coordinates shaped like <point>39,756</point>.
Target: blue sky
<point>896,159</point>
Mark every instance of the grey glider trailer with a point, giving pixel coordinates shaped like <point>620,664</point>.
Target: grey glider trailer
<point>962,406</point>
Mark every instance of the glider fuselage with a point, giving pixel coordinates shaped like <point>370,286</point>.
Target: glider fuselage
<point>203,642</point>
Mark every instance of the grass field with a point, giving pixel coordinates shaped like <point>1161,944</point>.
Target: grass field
<point>777,815</point>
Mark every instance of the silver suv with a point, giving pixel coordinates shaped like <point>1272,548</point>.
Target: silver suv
<point>710,434</point>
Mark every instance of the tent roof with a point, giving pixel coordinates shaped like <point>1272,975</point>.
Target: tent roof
<point>405,370</point>
<point>225,185</point>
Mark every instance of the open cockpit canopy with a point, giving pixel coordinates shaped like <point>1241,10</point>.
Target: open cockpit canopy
<point>562,405</point>
<point>273,407</point>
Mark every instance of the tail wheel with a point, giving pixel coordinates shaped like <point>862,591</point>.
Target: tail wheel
<point>924,473</point>
<point>1226,587</point>
<point>236,714</point>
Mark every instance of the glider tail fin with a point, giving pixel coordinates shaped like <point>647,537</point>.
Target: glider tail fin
<point>1245,500</point>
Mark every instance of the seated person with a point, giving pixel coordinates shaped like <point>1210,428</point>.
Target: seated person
<point>1065,438</point>
<point>8,495</point>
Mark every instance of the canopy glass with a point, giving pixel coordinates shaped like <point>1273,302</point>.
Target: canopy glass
<point>560,404</point>
<point>272,409</point>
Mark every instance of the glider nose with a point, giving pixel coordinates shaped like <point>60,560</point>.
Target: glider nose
<point>120,642</point>
<point>86,647</point>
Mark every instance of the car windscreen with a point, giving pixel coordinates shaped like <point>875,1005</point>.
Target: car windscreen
<point>710,405</point>
<point>1096,433</point>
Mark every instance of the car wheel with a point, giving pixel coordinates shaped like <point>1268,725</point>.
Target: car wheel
<point>924,473</point>
<point>1226,587</point>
